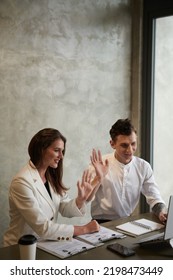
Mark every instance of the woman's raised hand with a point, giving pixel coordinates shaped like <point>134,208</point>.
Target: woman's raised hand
<point>84,188</point>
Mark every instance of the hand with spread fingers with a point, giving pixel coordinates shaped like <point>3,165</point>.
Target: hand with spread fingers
<point>101,168</point>
<point>87,187</point>
<point>84,188</point>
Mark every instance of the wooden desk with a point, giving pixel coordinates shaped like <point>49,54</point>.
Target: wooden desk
<point>102,253</point>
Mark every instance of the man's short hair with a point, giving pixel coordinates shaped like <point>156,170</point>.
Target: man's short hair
<point>121,127</point>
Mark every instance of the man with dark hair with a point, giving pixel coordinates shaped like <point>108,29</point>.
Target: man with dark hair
<point>128,177</point>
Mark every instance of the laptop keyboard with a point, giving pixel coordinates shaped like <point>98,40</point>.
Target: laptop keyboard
<point>155,244</point>
<point>153,237</point>
<point>155,241</point>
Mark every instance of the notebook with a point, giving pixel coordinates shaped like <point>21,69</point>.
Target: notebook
<point>165,238</point>
<point>138,227</point>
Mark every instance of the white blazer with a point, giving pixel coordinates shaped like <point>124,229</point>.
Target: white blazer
<point>32,211</point>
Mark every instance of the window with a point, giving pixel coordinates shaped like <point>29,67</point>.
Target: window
<point>157,15</point>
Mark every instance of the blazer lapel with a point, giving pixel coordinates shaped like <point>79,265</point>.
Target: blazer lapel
<point>38,183</point>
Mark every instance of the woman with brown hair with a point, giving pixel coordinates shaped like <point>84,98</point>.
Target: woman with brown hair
<point>37,193</point>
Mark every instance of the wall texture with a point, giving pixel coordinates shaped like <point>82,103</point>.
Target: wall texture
<point>63,64</point>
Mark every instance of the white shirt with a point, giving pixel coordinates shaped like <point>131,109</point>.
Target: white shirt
<point>120,191</point>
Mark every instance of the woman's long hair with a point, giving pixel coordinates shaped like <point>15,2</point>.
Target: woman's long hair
<point>40,142</point>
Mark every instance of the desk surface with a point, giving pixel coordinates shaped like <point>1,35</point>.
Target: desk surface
<point>102,253</point>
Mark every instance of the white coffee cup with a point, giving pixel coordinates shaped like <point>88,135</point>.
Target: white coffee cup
<point>27,247</point>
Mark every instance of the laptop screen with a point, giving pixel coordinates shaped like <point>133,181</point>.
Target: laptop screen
<point>169,224</point>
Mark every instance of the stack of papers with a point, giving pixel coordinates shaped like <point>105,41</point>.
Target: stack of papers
<point>65,249</point>
<point>104,234</point>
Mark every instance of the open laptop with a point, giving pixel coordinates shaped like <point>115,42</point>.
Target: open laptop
<point>165,238</point>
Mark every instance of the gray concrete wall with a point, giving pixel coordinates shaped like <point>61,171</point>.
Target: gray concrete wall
<point>63,64</point>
